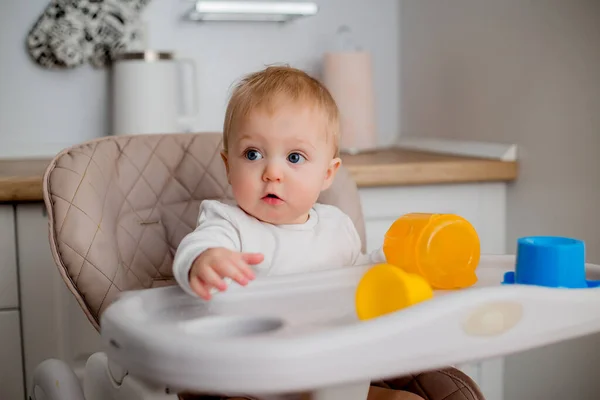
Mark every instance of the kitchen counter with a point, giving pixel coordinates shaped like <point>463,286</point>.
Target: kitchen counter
<point>21,179</point>
<point>400,167</point>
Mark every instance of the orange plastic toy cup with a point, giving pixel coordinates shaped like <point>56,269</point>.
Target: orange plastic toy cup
<point>385,288</point>
<point>442,248</point>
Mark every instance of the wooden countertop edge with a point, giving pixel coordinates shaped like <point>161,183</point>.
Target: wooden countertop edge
<point>438,172</point>
<point>22,189</point>
<point>29,188</point>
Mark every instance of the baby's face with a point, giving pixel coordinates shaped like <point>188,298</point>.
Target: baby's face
<point>279,163</point>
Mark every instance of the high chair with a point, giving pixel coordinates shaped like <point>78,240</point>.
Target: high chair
<point>117,209</point>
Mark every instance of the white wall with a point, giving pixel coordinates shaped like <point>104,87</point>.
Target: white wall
<point>525,72</point>
<point>42,111</point>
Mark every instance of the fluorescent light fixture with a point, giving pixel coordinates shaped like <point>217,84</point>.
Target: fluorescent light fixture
<point>265,11</point>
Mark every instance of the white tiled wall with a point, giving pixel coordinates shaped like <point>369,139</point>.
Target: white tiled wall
<point>42,111</point>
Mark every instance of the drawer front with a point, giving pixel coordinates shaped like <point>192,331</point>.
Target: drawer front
<point>483,205</point>
<point>382,206</point>
<point>9,298</point>
<point>54,326</point>
<point>393,202</point>
<point>11,365</point>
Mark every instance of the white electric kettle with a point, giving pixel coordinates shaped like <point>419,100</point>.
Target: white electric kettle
<point>149,94</point>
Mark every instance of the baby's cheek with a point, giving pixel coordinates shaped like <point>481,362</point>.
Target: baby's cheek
<point>308,188</point>
<point>241,185</point>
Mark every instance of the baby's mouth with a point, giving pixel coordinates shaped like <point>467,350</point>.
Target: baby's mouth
<point>272,199</point>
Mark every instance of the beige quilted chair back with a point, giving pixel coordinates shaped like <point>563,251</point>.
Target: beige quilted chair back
<point>119,206</point>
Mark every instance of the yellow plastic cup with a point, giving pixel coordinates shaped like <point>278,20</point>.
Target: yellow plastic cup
<point>385,288</point>
<point>442,248</point>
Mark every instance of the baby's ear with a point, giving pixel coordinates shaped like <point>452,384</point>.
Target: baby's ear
<point>333,168</point>
<point>226,162</point>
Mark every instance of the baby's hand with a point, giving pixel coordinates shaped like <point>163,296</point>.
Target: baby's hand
<point>209,269</point>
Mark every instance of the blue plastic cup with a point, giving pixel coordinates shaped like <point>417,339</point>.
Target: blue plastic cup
<point>551,261</point>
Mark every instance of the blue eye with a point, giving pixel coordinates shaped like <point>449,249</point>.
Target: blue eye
<point>296,158</point>
<point>253,155</point>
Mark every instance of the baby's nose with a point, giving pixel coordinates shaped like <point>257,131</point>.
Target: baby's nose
<point>273,172</point>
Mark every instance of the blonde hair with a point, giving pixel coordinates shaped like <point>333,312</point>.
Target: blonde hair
<point>263,89</point>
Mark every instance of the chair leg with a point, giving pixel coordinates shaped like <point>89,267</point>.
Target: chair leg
<point>55,380</point>
<point>100,384</point>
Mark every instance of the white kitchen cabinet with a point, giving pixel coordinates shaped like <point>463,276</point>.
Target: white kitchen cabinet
<point>9,293</point>
<point>482,204</point>
<point>54,325</point>
<point>11,362</point>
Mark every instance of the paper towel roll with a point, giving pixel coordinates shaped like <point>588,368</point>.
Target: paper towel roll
<point>349,78</point>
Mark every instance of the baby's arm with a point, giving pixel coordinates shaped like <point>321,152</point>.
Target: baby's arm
<point>208,253</point>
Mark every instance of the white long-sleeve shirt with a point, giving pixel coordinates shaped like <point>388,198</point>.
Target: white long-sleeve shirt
<point>327,240</point>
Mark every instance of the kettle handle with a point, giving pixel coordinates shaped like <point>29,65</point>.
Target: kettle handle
<point>186,121</point>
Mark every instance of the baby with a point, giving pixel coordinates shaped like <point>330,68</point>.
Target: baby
<point>280,140</point>
<point>280,151</point>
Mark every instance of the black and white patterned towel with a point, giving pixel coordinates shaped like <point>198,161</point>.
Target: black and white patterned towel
<point>72,32</point>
